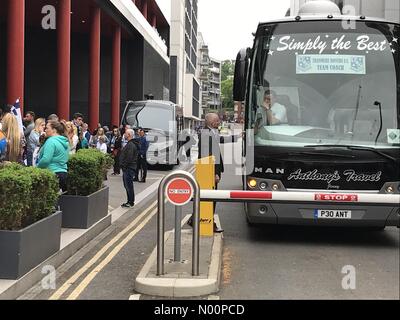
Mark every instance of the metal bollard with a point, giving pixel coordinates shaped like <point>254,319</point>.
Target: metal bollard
<point>178,234</point>
<point>161,221</point>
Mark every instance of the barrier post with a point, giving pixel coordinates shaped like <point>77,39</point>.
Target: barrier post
<point>205,176</point>
<point>178,234</point>
<point>179,187</point>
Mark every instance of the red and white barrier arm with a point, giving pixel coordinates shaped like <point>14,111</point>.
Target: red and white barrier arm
<point>266,196</point>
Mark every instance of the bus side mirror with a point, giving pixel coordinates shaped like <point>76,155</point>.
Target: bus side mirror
<point>241,67</point>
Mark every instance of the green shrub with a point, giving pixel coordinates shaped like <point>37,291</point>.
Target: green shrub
<point>27,195</point>
<point>44,194</point>
<point>86,171</point>
<point>14,198</point>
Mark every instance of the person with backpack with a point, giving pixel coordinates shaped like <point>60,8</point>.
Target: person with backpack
<point>15,140</point>
<point>3,146</point>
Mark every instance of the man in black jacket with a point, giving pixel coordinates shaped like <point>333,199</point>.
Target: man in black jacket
<point>128,162</point>
<point>209,141</point>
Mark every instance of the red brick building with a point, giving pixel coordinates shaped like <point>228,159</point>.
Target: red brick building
<point>99,54</point>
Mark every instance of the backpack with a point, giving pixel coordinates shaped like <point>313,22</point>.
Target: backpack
<point>3,146</point>
<point>79,145</point>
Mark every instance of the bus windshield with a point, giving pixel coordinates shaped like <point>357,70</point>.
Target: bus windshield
<point>335,87</point>
<point>150,116</point>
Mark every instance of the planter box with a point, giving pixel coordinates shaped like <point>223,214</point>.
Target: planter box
<point>83,212</point>
<point>23,250</point>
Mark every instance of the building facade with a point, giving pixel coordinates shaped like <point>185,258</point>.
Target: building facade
<point>386,9</point>
<point>214,102</point>
<point>209,73</point>
<point>184,85</point>
<point>203,72</point>
<point>88,56</point>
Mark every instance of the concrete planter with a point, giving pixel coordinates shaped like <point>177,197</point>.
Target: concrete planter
<point>21,251</point>
<point>82,212</point>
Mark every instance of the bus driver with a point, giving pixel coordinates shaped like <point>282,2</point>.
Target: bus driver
<point>271,112</point>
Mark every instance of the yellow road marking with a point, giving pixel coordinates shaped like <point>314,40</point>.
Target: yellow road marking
<point>227,266</point>
<point>85,282</point>
<point>57,295</point>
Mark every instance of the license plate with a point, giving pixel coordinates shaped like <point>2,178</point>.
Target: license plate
<point>333,214</point>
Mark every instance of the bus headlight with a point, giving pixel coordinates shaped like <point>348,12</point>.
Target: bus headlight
<point>252,183</point>
<point>263,210</point>
<point>275,187</point>
<point>390,189</point>
<point>263,185</point>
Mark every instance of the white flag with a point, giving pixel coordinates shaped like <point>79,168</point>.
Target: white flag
<point>16,110</point>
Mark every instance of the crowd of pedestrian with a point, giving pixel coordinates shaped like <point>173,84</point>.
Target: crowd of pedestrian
<point>48,143</point>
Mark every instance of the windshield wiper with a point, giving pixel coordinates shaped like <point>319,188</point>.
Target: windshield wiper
<point>378,104</point>
<point>164,132</point>
<point>356,148</point>
<point>357,108</point>
<point>326,154</point>
<point>314,154</point>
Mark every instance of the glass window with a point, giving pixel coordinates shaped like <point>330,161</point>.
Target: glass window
<point>332,87</point>
<point>150,117</point>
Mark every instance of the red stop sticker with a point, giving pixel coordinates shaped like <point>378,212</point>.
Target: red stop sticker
<point>337,197</point>
<point>179,192</point>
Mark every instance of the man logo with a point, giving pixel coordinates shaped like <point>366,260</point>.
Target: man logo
<point>269,170</point>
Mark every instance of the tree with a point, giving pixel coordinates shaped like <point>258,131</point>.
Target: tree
<point>227,70</point>
<point>227,94</point>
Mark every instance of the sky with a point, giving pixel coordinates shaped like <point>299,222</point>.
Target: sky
<point>227,25</point>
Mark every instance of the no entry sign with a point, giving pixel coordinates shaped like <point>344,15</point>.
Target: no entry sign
<point>179,192</point>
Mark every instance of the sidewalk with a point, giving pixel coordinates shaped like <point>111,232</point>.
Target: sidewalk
<point>72,240</point>
<point>117,191</point>
<point>178,281</point>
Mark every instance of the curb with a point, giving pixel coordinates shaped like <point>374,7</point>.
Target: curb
<point>12,289</point>
<point>20,286</point>
<point>182,287</point>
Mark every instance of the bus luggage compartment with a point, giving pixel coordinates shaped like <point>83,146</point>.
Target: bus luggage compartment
<point>322,214</point>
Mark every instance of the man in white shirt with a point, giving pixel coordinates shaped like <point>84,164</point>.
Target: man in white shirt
<point>271,113</point>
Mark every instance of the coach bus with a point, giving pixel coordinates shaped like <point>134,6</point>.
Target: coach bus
<point>163,123</point>
<point>321,98</point>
